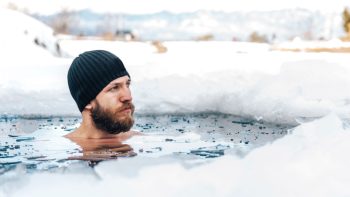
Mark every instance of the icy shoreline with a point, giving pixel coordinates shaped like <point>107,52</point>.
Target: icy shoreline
<point>273,86</point>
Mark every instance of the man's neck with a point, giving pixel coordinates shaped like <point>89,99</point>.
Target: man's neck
<point>90,132</point>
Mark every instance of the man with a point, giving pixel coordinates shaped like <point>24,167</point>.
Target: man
<point>100,85</point>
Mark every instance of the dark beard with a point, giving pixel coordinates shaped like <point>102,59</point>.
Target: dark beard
<point>108,121</point>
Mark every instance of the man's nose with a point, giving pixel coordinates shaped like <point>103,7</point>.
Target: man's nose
<point>126,95</point>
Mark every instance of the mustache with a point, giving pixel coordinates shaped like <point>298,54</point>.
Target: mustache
<point>127,105</point>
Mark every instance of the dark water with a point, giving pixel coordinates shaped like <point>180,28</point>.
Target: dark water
<point>35,143</point>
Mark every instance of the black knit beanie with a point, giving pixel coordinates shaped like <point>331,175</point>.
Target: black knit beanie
<point>90,72</point>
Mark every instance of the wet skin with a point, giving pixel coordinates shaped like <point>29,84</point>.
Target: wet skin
<point>103,149</point>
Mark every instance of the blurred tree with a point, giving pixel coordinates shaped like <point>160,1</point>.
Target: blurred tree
<point>12,6</point>
<point>159,46</point>
<point>205,37</point>
<point>307,35</point>
<point>63,21</point>
<point>107,27</point>
<point>108,36</point>
<point>346,21</point>
<point>256,37</point>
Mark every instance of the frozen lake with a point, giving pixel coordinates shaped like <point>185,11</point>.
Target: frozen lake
<point>37,145</point>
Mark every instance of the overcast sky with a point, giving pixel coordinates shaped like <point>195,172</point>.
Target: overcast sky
<point>149,6</point>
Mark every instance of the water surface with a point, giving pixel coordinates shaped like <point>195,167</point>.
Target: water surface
<point>36,143</point>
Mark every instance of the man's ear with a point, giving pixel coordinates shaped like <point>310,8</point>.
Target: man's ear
<point>88,106</point>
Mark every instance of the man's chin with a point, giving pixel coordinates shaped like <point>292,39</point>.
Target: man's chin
<point>125,118</point>
<point>128,121</point>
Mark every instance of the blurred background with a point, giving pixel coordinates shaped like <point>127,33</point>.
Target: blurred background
<point>164,20</point>
<point>167,44</point>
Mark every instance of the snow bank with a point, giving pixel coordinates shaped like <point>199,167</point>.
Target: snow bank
<point>22,34</point>
<point>236,78</point>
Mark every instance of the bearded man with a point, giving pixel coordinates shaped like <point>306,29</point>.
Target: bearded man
<point>100,85</point>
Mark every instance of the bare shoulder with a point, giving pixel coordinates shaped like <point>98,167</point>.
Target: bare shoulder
<point>129,134</point>
<point>70,135</point>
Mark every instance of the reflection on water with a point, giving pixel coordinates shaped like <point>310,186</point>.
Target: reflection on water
<point>96,150</point>
<point>37,143</point>
<point>47,149</point>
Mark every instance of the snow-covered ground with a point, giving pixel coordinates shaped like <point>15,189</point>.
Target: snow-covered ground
<point>242,79</point>
<point>298,45</point>
<point>237,78</point>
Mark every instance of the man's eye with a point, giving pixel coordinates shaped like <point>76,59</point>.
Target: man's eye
<point>114,88</point>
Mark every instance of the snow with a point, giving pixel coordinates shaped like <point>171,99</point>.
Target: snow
<point>238,78</point>
<point>22,29</point>
<point>243,79</point>
<point>302,45</point>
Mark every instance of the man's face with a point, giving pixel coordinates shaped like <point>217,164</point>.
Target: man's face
<point>112,110</point>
